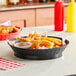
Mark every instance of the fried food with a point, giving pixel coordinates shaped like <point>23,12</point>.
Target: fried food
<point>46,43</point>
<point>8,29</point>
<point>40,41</point>
<point>35,44</point>
<point>12,43</point>
<point>24,39</point>
<point>55,40</point>
<point>4,32</point>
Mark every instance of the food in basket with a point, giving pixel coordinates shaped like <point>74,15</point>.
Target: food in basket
<point>8,29</point>
<point>39,41</point>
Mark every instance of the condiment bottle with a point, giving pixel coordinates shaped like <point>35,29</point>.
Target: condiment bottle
<point>59,15</point>
<point>22,1</point>
<point>3,2</point>
<point>42,1</point>
<point>13,2</point>
<point>71,17</point>
<point>7,2</point>
<point>37,1</point>
<point>30,1</point>
<point>25,1</point>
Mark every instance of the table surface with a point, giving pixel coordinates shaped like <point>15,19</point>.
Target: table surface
<point>58,67</point>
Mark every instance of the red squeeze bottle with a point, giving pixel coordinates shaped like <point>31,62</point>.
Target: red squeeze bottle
<point>59,15</point>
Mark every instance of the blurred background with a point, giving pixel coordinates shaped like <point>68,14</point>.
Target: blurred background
<point>24,2</point>
<point>29,13</point>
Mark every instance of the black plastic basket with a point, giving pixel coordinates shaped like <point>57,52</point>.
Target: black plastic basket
<point>41,54</point>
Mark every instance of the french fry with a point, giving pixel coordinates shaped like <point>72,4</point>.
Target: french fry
<point>12,43</point>
<point>46,43</point>
<point>23,39</point>
<point>45,35</point>
<point>30,35</point>
<point>55,40</point>
<point>35,44</point>
<point>39,41</point>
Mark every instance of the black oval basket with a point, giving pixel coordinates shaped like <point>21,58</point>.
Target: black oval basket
<point>41,54</point>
